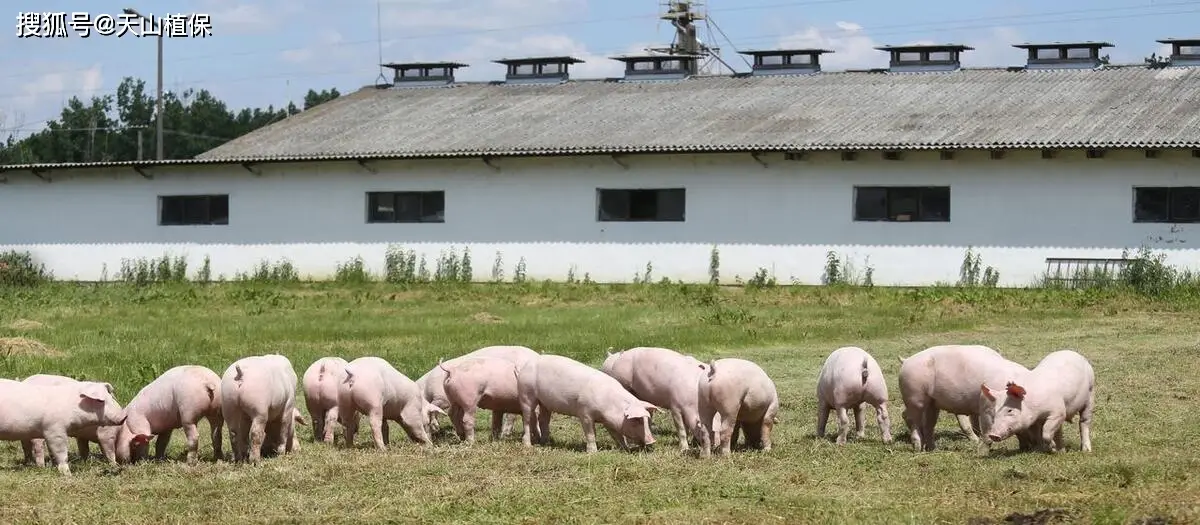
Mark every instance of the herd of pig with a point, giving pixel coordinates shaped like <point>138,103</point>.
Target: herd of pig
<point>711,402</point>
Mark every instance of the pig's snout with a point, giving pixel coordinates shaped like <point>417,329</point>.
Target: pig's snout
<point>993,437</point>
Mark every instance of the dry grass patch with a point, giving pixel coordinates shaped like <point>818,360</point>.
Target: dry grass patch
<point>24,325</point>
<point>23,346</point>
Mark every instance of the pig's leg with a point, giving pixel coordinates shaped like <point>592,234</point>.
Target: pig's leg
<point>1085,425</point>
<point>375,418</point>
<point>509,421</point>
<point>823,409</point>
<point>681,429</point>
<point>1051,428</point>
<point>768,423</point>
<point>860,428</point>
<point>33,452</point>
<point>318,422</point>
<point>969,426</point>
<point>498,424</point>
<point>884,421</point>
<point>287,431</point>
<point>349,420</point>
<point>843,425</point>
<point>258,434</point>
<point>215,422</point>
<point>192,435</point>
<point>85,449</point>
<point>691,422</point>
<point>160,444</point>
<point>468,423</point>
<point>386,430</point>
<point>331,417</point>
<point>543,420</point>
<point>729,425</point>
<point>528,422</point>
<point>456,420</point>
<point>928,422</point>
<point>589,434</point>
<point>57,443</point>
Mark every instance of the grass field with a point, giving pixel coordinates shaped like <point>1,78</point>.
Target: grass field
<point>1146,463</point>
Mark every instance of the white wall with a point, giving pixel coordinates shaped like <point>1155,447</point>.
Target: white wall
<point>1014,211</point>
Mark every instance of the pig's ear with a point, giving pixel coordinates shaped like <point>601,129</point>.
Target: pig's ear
<point>110,388</point>
<point>95,392</point>
<point>650,408</point>
<point>431,409</point>
<point>987,392</point>
<point>1015,390</point>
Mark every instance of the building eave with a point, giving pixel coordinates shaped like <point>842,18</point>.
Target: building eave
<point>567,152</point>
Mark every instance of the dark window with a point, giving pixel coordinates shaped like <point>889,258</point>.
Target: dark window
<point>902,203</point>
<point>641,205</point>
<point>187,210</point>
<point>406,206</point>
<point>1179,204</point>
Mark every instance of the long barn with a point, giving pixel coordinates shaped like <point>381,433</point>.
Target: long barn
<point>1060,163</point>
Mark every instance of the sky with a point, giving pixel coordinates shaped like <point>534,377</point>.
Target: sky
<point>264,52</point>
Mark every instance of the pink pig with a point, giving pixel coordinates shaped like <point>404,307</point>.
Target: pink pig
<point>1060,387</point>
<point>849,378</point>
<point>321,395</point>
<point>489,383</point>
<point>258,395</point>
<point>664,378</point>
<point>551,383</point>
<point>372,386</point>
<point>179,398</point>
<point>736,394</point>
<point>54,412</point>
<point>432,384</point>
<point>106,437</point>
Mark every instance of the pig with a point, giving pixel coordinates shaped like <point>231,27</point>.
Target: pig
<point>104,436</point>
<point>258,393</point>
<point>52,412</point>
<point>179,398</point>
<point>550,383</point>
<point>947,377</point>
<point>372,386</point>
<point>480,382</point>
<point>849,378</point>
<point>321,396</point>
<point>1060,386</point>
<point>432,384</point>
<point>664,378</point>
<point>736,393</point>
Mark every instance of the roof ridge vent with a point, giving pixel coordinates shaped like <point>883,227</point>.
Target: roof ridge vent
<point>786,61</point>
<point>1184,51</point>
<point>925,57</point>
<point>538,70</point>
<point>423,74</point>
<point>657,66</point>
<point>1064,55</point>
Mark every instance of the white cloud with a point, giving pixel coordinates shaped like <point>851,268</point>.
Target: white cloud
<point>854,48</point>
<point>41,97</point>
<point>230,17</point>
<point>475,15</point>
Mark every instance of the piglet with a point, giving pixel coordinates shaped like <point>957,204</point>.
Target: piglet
<point>372,386</point>
<point>106,437</point>
<point>1060,387</point>
<point>321,395</point>
<point>54,412</point>
<point>483,382</point>
<point>557,384</point>
<point>179,398</point>
<point>432,384</point>
<point>258,394</point>
<point>849,378</point>
<point>664,378</point>
<point>736,393</point>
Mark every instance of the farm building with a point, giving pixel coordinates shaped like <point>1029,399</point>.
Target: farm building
<point>1064,161</point>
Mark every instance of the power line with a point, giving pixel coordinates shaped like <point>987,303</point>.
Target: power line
<point>1015,21</point>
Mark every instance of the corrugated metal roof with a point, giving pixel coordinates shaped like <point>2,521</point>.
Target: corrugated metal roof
<point>1112,107</point>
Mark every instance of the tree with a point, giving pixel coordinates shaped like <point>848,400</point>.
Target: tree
<point>121,128</point>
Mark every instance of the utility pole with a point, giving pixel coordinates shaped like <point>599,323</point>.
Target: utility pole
<point>159,116</point>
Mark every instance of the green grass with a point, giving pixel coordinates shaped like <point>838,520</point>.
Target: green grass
<point>1145,433</point>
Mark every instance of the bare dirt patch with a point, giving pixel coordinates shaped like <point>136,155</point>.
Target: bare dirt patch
<point>1040,517</point>
<point>25,324</point>
<point>20,346</point>
<point>487,318</point>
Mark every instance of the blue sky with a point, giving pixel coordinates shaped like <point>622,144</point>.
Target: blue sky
<point>272,51</point>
